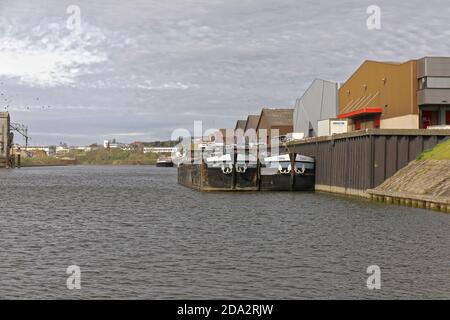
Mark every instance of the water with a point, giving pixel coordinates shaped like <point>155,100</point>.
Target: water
<point>135,233</point>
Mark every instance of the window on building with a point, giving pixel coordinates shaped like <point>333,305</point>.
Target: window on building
<point>447,118</point>
<point>429,118</point>
<point>422,83</point>
<point>434,83</point>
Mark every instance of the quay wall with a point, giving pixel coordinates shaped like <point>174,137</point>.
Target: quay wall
<point>421,184</point>
<point>352,163</point>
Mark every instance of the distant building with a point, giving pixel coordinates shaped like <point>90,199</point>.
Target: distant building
<point>252,122</point>
<point>410,95</point>
<point>239,131</point>
<point>84,149</point>
<point>5,138</point>
<point>93,147</point>
<point>113,144</point>
<point>319,102</point>
<point>273,120</point>
<point>225,136</point>
<point>61,150</point>
<point>159,150</point>
<point>240,124</point>
<point>41,150</point>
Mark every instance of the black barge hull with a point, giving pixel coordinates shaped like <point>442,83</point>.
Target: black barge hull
<point>165,164</point>
<point>204,178</point>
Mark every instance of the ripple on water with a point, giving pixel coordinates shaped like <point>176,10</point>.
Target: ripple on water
<point>135,233</point>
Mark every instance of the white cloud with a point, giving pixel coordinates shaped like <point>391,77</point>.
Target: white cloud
<point>148,85</point>
<point>50,55</point>
<point>160,65</point>
<point>128,134</point>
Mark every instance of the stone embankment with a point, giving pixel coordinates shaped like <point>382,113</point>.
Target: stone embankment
<point>421,184</point>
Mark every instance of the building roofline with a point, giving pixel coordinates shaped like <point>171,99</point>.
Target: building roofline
<point>394,64</point>
<point>311,84</point>
<point>248,118</point>
<point>262,111</point>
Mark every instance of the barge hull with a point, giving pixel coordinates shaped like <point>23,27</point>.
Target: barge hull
<point>276,182</point>
<point>247,181</point>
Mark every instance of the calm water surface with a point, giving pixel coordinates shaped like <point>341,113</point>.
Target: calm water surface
<point>135,233</point>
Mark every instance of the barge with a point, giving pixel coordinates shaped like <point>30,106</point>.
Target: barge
<point>244,172</point>
<point>164,162</point>
<point>287,172</point>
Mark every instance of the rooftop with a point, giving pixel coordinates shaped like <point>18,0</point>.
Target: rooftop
<point>279,117</point>
<point>252,122</point>
<point>240,124</point>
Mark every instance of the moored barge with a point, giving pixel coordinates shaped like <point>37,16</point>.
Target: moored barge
<point>164,162</point>
<point>241,172</point>
<point>287,172</point>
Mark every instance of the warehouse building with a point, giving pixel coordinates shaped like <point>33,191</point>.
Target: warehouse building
<point>273,124</point>
<point>240,124</point>
<point>433,95</point>
<point>386,95</point>
<point>319,102</point>
<point>225,136</point>
<point>252,122</point>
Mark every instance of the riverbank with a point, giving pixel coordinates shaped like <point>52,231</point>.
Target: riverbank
<point>42,162</point>
<point>96,157</point>
<point>423,183</point>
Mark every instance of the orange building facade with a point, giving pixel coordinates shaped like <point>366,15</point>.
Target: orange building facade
<point>388,95</point>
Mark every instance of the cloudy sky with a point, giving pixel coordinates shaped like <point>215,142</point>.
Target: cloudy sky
<point>138,69</point>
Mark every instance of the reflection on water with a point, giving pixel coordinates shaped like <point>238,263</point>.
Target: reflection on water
<point>135,233</point>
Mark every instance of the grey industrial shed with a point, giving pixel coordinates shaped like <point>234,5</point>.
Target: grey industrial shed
<point>319,102</point>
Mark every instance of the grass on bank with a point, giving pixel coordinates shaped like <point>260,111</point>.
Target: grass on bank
<point>97,157</point>
<point>40,162</point>
<point>439,152</point>
<point>113,157</point>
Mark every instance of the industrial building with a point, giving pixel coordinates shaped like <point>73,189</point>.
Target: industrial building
<point>240,124</point>
<point>433,95</point>
<point>275,122</point>
<point>319,102</point>
<point>225,136</point>
<point>5,139</point>
<point>252,122</point>
<point>387,95</point>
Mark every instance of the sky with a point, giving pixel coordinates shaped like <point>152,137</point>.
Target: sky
<point>138,69</point>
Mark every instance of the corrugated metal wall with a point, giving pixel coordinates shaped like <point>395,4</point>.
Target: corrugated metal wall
<point>320,101</point>
<point>364,161</point>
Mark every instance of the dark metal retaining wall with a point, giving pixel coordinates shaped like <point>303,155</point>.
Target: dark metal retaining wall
<point>353,162</point>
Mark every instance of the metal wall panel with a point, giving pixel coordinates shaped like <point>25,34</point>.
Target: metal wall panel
<point>380,160</point>
<point>391,156</point>
<point>365,161</point>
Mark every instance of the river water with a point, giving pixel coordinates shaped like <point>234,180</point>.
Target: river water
<point>135,233</point>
